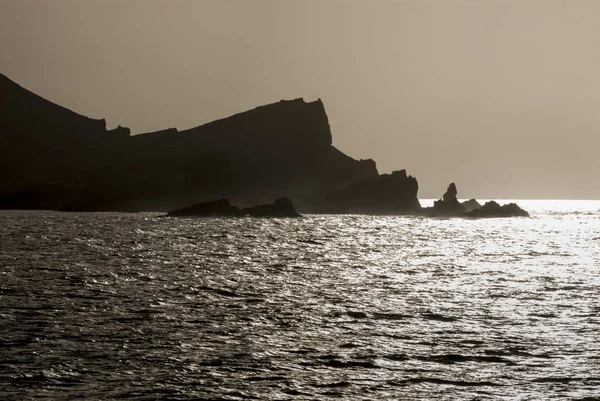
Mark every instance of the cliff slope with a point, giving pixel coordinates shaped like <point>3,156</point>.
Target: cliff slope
<point>54,158</point>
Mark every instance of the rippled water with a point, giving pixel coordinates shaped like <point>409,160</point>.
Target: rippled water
<point>106,306</point>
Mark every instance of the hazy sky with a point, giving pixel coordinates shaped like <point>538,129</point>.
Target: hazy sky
<point>500,96</point>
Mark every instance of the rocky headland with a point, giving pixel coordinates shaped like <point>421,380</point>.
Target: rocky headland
<point>53,158</point>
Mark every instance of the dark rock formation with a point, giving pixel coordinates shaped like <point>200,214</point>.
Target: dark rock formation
<point>448,205</point>
<point>41,143</point>
<point>450,194</point>
<point>122,132</point>
<point>394,193</point>
<point>471,204</point>
<point>290,124</point>
<point>282,207</point>
<point>54,158</point>
<point>493,209</point>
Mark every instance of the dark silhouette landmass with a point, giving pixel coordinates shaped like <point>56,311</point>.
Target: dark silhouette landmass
<point>449,206</point>
<point>54,158</point>
<point>282,207</point>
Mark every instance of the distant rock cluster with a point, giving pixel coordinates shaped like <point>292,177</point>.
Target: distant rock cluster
<point>449,206</point>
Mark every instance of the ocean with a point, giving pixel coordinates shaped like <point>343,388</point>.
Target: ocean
<point>101,306</point>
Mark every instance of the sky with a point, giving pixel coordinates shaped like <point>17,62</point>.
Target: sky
<point>500,96</point>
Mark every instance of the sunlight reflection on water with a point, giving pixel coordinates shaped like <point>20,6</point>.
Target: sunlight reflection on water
<point>359,307</point>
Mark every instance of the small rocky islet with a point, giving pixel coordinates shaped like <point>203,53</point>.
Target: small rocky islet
<point>450,206</point>
<point>282,207</point>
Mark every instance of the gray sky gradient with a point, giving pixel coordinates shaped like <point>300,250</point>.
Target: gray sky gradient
<point>500,96</point>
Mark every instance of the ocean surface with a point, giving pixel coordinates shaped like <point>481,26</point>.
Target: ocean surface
<point>102,306</point>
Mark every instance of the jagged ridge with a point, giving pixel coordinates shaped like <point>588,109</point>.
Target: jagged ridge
<point>59,159</point>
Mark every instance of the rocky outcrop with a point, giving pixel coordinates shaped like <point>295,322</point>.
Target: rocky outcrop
<point>449,204</point>
<point>120,132</point>
<point>394,193</point>
<point>282,207</point>
<point>493,209</point>
<point>450,194</point>
<point>471,204</point>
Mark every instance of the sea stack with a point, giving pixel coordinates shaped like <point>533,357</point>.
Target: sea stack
<point>449,204</point>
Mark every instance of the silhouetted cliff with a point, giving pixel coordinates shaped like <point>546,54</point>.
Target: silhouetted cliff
<point>41,141</point>
<point>54,158</point>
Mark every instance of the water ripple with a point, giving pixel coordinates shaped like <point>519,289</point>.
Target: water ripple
<point>106,306</point>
